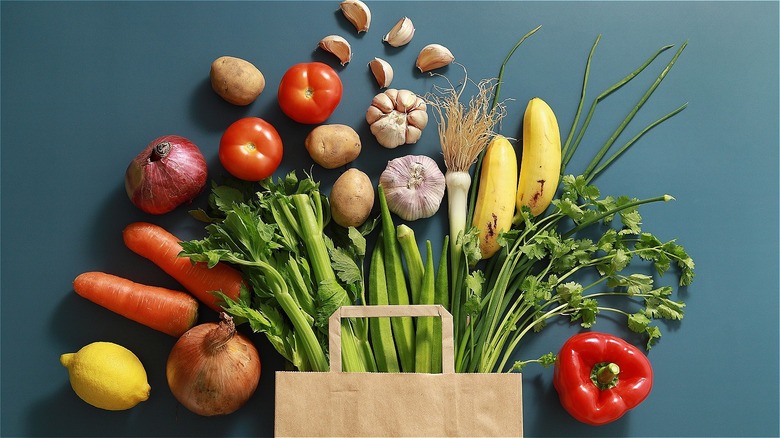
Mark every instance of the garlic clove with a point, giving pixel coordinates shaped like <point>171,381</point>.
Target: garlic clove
<point>413,134</point>
<point>385,101</point>
<point>338,46</point>
<point>383,72</point>
<point>434,56</point>
<point>405,101</point>
<point>401,33</point>
<point>418,119</point>
<point>357,13</point>
<point>391,94</point>
<point>373,114</point>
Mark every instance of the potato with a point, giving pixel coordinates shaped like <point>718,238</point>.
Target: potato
<point>236,80</point>
<point>351,198</point>
<point>333,145</point>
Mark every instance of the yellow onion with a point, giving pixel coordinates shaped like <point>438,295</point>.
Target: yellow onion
<point>212,369</point>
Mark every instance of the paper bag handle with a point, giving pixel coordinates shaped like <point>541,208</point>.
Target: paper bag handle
<point>378,311</point>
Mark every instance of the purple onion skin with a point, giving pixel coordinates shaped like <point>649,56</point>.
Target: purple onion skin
<point>169,172</point>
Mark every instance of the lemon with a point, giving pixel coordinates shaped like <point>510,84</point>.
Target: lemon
<point>107,376</point>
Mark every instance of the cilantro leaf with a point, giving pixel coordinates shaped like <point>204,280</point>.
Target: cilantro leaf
<point>474,283</point>
<point>659,306</point>
<point>638,322</point>
<point>570,293</point>
<point>634,283</point>
<point>632,221</point>
<point>587,312</point>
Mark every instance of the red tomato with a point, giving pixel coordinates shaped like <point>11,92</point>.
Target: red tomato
<point>250,149</point>
<point>309,92</point>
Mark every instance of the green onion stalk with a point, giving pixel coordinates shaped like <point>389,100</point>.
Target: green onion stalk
<point>464,132</point>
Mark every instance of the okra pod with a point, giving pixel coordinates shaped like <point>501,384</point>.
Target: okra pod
<point>380,329</point>
<point>424,339</point>
<point>441,290</point>
<point>413,258</point>
<point>398,292</point>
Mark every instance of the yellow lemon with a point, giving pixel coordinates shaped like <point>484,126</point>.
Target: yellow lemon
<point>107,376</point>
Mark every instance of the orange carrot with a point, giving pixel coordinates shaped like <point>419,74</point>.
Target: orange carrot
<point>169,311</point>
<point>163,248</point>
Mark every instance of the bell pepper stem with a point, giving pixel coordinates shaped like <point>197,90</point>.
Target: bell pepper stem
<point>605,375</point>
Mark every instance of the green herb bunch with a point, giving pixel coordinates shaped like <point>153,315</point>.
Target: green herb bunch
<point>537,274</point>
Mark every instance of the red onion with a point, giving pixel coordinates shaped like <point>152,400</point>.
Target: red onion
<point>212,369</point>
<point>170,171</point>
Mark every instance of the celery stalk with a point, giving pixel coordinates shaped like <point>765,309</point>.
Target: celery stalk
<point>312,235</point>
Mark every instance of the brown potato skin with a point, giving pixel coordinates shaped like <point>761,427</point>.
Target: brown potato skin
<point>236,80</point>
<point>351,198</point>
<point>333,145</point>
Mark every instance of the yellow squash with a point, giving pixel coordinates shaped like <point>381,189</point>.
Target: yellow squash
<point>540,164</point>
<point>496,196</point>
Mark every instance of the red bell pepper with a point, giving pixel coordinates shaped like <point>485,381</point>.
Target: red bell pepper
<point>600,377</point>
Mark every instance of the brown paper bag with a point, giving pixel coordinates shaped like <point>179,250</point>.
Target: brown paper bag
<point>397,404</point>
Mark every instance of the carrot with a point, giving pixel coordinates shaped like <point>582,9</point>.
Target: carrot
<point>162,248</point>
<point>169,311</point>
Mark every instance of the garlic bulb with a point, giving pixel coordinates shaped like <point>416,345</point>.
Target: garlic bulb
<point>397,117</point>
<point>413,186</point>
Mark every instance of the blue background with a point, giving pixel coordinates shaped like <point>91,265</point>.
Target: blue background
<point>86,85</point>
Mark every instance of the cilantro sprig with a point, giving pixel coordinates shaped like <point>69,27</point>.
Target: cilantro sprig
<point>534,279</point>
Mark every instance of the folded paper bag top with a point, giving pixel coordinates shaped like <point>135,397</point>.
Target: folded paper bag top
<point>397,404</point>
